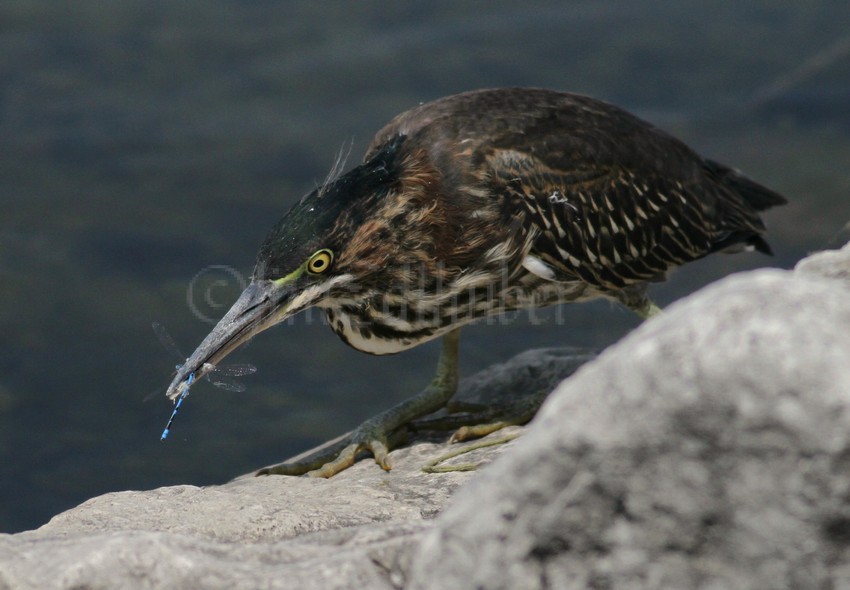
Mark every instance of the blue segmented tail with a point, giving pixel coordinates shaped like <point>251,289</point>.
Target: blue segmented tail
<point>177,406</point>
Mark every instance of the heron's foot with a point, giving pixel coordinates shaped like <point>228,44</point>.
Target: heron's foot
<point>480,421</point>
<point>470,421</point>
<point>309,463</point>
<point>371,436</point>
<point>347,456</point>
<point>434,466</point>
<point>383,432</point>
<point>326,462</point>
<point>473,431</point>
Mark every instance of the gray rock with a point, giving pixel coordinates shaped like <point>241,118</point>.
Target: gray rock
<point>829,264</point>
<point>363,558</point>
<point>708,449</point>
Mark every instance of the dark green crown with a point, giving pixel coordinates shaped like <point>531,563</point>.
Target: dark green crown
<point>343,202</point>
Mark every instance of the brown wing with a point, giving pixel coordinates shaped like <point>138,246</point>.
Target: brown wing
<point>615,200</point>
<point>613,227</point>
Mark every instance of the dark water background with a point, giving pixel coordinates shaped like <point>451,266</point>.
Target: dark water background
<point>146,147</point>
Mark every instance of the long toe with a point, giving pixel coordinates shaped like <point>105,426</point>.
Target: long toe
<point>342,462</point>
<point>313,461</point>
<point>481,430</point>
<point>349,454</point>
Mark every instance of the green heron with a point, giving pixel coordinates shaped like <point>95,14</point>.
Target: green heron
<point>478,204</point>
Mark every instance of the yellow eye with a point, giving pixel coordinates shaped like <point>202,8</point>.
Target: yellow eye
<point>320,262</point>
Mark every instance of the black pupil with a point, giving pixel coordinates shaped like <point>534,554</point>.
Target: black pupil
<point>318,263</point>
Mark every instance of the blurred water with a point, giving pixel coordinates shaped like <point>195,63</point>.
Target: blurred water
<point>146,147</point>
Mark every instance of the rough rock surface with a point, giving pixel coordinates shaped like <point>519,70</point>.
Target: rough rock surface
<point>708,449</point>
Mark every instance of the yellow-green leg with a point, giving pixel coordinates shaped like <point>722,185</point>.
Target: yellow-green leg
<point>380,434</point>
<point>647,310</point>
<point>484,422</point>
<point>375,434</point>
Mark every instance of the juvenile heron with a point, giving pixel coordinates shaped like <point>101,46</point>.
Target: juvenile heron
<point>477,204</point>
